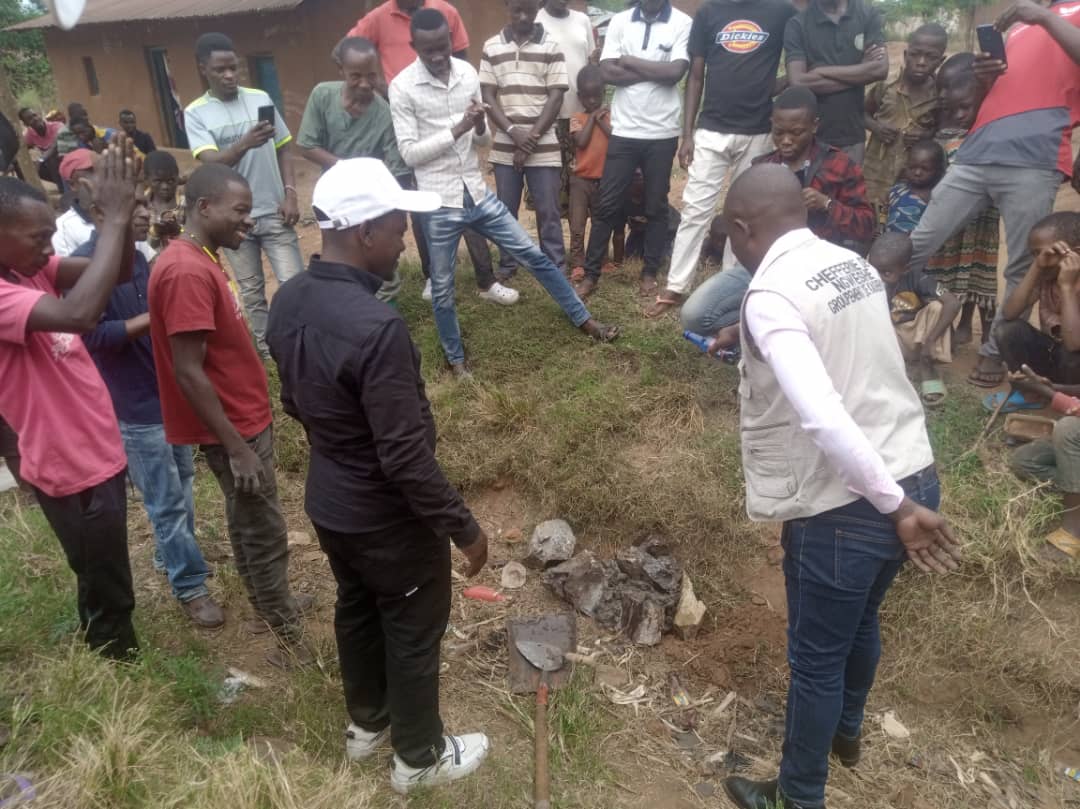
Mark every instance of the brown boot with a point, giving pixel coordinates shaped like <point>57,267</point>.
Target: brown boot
<point>289,656</point>
<point>204,612</point>
<point>305,603</point>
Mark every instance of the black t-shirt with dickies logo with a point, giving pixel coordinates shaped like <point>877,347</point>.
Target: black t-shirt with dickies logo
<point>741,43</point>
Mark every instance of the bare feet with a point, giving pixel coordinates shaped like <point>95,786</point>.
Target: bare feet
<point>648,286</point>
<point>600,332</point>
<point>577,274</point>
<point>587,287</point>
<point>664,301</point>
<point>989,373</point>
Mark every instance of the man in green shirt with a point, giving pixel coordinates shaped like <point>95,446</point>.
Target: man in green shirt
<point>351,118</point>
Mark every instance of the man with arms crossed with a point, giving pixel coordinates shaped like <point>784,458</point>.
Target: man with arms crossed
<point>843,460</point>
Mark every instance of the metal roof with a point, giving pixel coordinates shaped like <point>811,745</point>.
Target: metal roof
<point>103,11</point>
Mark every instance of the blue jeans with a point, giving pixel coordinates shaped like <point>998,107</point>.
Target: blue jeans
<point>545,183</point>
<point>282,248</point>
<point>717,303</point>
<point>837,567</point>
<point>164,474</point>
<point>491,219</point>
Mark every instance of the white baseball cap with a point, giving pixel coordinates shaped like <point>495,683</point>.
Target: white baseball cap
<point>358,190</point>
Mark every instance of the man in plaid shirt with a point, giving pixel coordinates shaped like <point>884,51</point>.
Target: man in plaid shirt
<point>834,189</point>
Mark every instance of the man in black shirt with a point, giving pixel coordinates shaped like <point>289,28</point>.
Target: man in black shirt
<point>836,48</point>
<point>734,50</point>
<point>142,140</point>
<point>381,506</point>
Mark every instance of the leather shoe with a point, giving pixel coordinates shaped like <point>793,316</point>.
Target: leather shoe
<point>204,612</point>
<point>849,751</point>
<point>747,794</point>
<point>305,603</point>
<point>291,656</point>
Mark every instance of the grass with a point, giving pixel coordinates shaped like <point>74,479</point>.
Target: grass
<point>622,440</point>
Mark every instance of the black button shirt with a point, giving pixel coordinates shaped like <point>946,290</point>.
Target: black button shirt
<point>351,375</point>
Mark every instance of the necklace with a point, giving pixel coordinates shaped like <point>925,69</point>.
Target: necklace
<point>198,242</point>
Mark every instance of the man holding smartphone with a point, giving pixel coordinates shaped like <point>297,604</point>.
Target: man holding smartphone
<point>240,127</point>
<point>1019,149</point>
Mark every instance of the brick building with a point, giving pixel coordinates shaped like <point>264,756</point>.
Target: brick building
<point>139,55</point>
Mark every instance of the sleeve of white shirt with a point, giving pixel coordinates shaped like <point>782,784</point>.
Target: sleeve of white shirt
<point>679,49</point>
<point>613,39</point>
<point>414,151</point>
<point>781,336</point>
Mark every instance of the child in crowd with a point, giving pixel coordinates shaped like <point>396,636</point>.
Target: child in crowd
<point>1053,280</point>
<point>922,312</point>
<point>901,112</point>
<point>967,263</point>
<point>166,204</point>
<point>635,221</point>
<point>590,131</point>
<point>908,198</point>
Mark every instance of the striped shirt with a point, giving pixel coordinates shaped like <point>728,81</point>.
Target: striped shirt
<point>523,75</point>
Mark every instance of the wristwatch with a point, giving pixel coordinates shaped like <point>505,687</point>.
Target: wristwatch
<point>828,204</point>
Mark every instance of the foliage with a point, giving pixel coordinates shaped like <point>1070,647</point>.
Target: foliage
<point>22,53</point>
<point>931,9</point>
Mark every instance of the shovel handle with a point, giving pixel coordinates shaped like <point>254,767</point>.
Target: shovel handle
<point>542,783</point>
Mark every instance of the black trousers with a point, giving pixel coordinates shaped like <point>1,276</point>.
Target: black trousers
<point>1021,343</point>
<point>393,604</point>
<point>92,529</point>
<point>624,157</point>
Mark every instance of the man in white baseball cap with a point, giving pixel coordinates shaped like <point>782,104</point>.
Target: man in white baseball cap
<point>383,510</point>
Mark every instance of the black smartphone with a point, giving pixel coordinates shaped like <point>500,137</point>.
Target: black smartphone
<point>991,41</point>
<point>266,115</point>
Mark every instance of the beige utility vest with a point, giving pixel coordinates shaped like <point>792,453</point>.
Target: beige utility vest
<point>843,303</point>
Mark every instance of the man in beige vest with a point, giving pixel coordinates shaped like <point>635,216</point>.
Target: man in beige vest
<point>834,444</point>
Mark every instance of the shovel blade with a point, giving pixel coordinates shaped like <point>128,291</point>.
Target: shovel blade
<point>543,656</point>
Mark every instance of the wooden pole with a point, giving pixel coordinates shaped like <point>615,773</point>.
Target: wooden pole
<point>10,108</point>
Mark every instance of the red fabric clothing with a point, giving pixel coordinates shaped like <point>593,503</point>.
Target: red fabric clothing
<point>589,162</point>
<point>53,396</point>
<point>850,219</point>
<point>387,26</point>
<point>190,292</point>
<point>43,142</point>
<point>1041,76</point>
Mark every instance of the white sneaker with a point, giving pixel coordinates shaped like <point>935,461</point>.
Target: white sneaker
<point>497,293</point>
<point>426,294</point>
<point>463,756</point>
<point>360,744</point>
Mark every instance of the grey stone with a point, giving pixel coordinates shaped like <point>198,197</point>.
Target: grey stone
<point>705,789</point>
<point>582,581</point>
<point>551,542</point>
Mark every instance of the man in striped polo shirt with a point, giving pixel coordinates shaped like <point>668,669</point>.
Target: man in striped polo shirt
<point>523,79</point>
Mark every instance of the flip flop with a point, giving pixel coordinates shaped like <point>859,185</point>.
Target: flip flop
<point>1065,542</point>
<point>664,301</point>
<point>1014,403</point>
<point>932,392</point>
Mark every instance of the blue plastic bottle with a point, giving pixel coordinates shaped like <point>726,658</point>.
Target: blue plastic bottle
<point>729,355</point>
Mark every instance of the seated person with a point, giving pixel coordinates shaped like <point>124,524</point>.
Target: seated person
<point>908,198</point>
<point>81,134</point>
<point>1053,350</point>
<point>1055,459</point>
<point>834,189</point>
<point>922,312</point>
<point>40,138</point>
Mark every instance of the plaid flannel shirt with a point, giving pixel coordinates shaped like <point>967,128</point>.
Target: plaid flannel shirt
<point>849,222</point>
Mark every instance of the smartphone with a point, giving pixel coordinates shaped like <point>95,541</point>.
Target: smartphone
<point>266,115</point>
<point>991,41</point>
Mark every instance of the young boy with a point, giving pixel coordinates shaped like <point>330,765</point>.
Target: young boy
<point>523,79</point>
<point>591,132</point>
<point>901,112</point>
<point>1053,350</point>
<point>923,169</point>
<point>166,205</point>
<point>922,312</point>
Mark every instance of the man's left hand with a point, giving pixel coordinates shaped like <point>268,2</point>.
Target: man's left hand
<point>815,200</point>
<point>926,536</point>
<point>289,209</point>
<point>1024,11</point>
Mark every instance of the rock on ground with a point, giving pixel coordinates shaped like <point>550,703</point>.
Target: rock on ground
<point>551,542</point>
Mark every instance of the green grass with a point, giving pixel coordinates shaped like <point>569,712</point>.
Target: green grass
<point>622,440</point>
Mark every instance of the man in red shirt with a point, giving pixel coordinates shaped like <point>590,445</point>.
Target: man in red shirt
<point>53,395</point>
<point>1019,149</point>
<point>214,392</point>
<point>387,26</point>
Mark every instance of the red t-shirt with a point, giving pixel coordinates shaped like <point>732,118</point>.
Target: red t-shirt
<point>1041,76</point>
<point>53,396</point>
<point>388,27</point>
<point>190,292</point>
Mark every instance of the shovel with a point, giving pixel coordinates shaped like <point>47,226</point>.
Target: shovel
<point>537,649</point>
